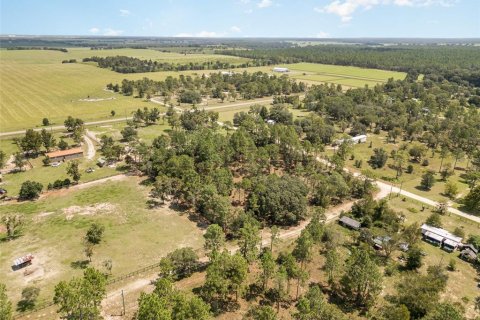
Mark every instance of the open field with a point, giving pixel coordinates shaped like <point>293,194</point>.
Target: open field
<point>35,84</point>
<point>135,236</point>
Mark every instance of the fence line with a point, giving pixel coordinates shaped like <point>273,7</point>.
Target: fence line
<point>198,267</point>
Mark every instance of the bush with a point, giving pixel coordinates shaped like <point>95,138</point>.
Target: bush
<point>410,169</point>
<point>425,162</point>
<point>30,190</point>
<point>434,220</point>
<point>452,265</point>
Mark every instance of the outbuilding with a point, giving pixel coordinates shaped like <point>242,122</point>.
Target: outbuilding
<point>469,253</point>
<point>349,223</point>
<point>280,69</point>
<point>63,155</point>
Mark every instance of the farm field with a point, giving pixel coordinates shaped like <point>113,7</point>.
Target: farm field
<point>348,77</point>
<point>344,75</point>
<point>136,236</point>
<point>35,84</point>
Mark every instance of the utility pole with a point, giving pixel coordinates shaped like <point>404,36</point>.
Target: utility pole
<point>123,303</point>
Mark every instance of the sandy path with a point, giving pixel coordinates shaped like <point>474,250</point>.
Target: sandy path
<point>90,146</point>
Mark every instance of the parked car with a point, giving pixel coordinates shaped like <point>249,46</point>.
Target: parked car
<point>55,164</point>
<point>89,170</point>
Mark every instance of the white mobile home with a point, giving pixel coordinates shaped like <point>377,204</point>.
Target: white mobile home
<point>440,237</point>
<point>280,69</point>
<point>357,139</point>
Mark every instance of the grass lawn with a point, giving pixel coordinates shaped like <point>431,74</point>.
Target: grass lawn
<point>135,236</point>
<point>48,174</point>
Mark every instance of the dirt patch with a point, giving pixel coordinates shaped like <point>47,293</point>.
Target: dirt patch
<point>98,208</point>
<point>96,99</point>
<point>42,215</point>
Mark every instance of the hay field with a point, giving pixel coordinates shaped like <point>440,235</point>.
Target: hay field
<point>35,84</point>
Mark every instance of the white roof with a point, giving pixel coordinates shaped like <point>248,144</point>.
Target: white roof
<point>433,236</point>
<point>359,137</point>
<point>280,69</point>
<point>451,243</point>
<point>440,232</point>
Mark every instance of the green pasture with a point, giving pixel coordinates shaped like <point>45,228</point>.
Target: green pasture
<point>35,84</point>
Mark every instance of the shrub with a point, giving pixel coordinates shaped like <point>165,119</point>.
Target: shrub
<point>30,190</point>
<point>425,162</point>
<point>410,169</point>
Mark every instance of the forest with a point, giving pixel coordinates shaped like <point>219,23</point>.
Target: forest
<point>457,64</point>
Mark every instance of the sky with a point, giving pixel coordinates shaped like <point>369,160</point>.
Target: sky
<point>244,18</point>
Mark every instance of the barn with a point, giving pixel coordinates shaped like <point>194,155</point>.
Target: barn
<point>63,155</point>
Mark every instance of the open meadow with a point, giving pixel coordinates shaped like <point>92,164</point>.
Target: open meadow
<point>135,236</point>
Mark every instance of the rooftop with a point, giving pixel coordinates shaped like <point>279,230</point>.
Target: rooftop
<point>429,230</point>
<point>63,153</point>
<point>350,222</point>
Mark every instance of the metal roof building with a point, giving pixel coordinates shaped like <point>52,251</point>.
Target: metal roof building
<point>440,237</point>
<point>349,222</point>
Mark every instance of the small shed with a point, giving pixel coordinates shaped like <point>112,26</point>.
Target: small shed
<point>378,242</point>
<point>63,155</point>
<point>280,69</point>
<point>349,223</point>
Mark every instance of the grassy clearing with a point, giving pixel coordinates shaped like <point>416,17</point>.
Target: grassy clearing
<point>135,236</point>
<point>346,71</point>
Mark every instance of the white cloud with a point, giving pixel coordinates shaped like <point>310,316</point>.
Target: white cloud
<point>244,1</point>
<point>235,29</point>
<point>265,3</point>
<point>322,34</point>
<point>124,12</point>
<point>248,11</point>
<point>112,32</point>
<point>201,34</point>
<point>346,8</point>
<point>94,30</point>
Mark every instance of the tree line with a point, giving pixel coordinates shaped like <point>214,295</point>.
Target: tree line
<point>124,64</point>
<point>215,85</point>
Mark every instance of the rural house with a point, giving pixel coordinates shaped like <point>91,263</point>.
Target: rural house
<point>440,237</point>
<point>349,223</point>
<point>357,139</point>
<point>63,155</point>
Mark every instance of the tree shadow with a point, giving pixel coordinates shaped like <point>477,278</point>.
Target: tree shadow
<point>25,305</point>
<point>79,264</point>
